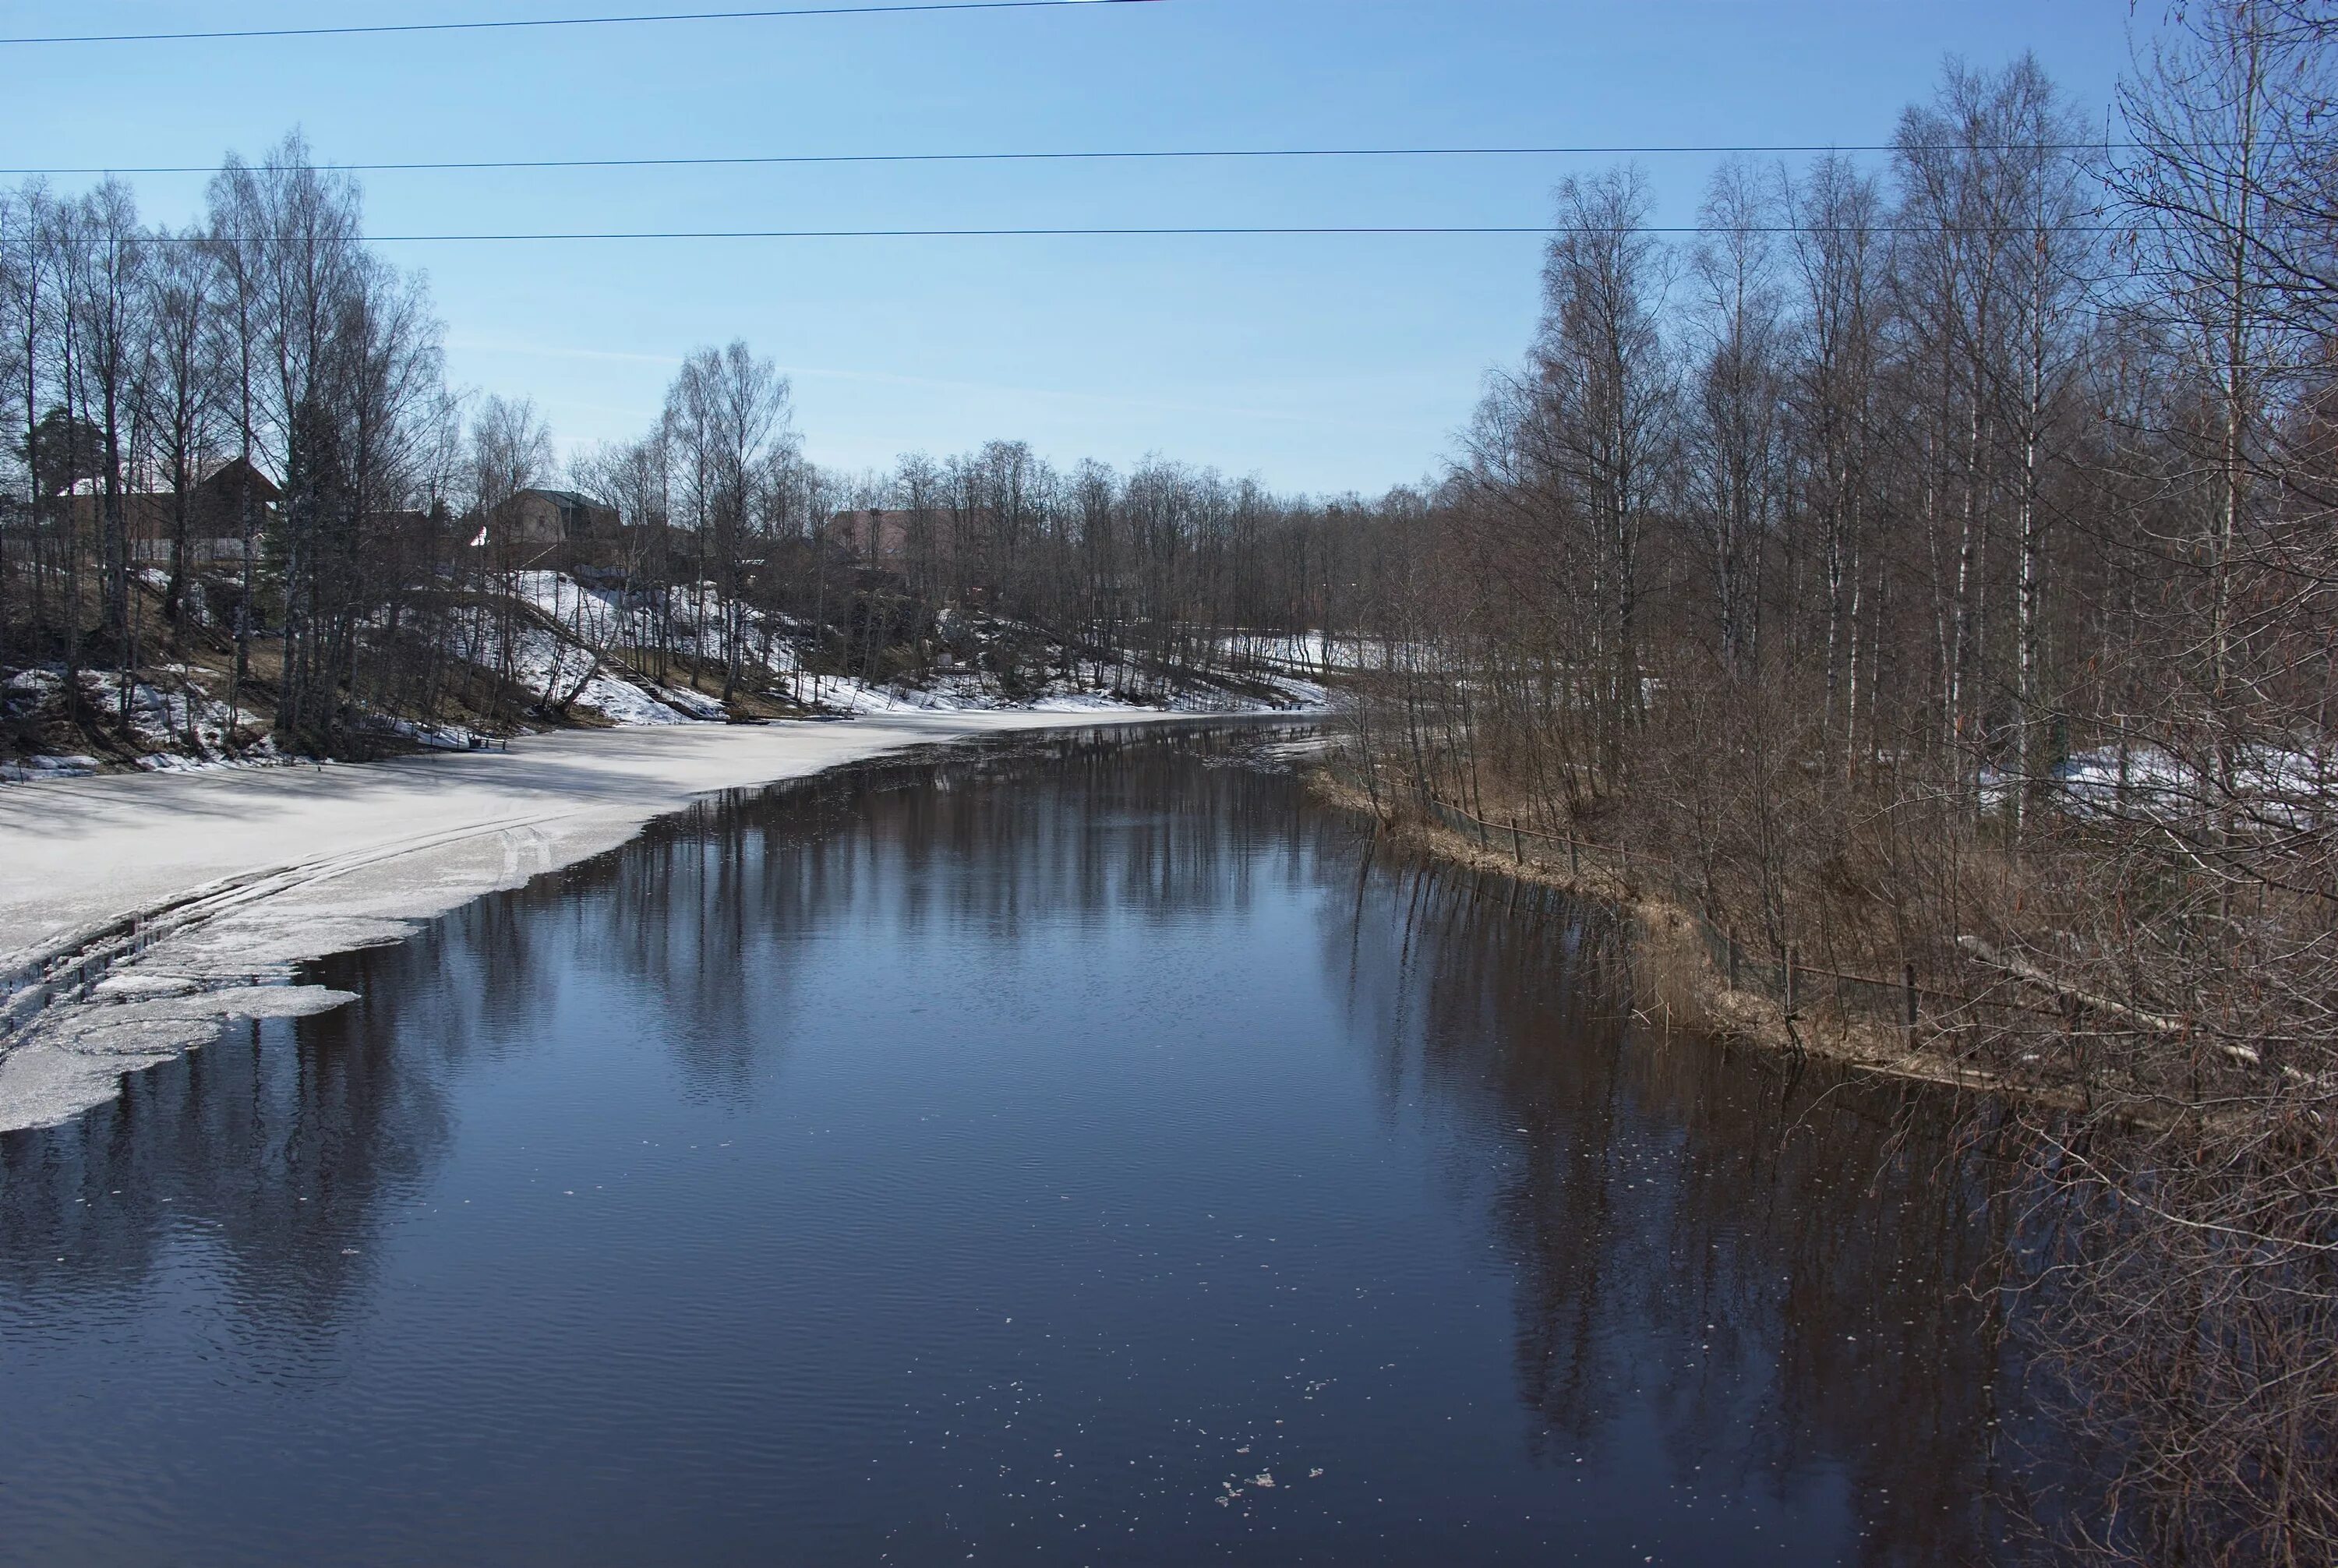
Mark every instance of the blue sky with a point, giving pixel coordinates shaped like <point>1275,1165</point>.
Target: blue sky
<point>1322,364</point>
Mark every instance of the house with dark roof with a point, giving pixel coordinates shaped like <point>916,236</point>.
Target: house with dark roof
<point>219,505</point>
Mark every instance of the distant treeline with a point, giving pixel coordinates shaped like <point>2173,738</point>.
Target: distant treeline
<point>136,360</point>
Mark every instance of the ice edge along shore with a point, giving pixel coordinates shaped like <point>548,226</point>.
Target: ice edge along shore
<point>137,913</point>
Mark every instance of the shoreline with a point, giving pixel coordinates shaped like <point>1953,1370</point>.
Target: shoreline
<point>1681,982</point>
<point>139,912</point>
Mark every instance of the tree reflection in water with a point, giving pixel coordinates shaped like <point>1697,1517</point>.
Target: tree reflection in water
<point>1756,1280</point>
<point>1791,1268</point>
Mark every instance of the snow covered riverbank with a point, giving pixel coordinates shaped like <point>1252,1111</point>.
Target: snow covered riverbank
<point>136,912</point>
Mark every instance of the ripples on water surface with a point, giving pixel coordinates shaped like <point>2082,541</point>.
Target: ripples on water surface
<point>1021,1157</point>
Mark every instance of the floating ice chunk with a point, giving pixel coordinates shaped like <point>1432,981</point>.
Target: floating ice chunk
<point>114,985</point>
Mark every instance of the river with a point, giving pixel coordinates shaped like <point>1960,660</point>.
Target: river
<point>1082,1149</point>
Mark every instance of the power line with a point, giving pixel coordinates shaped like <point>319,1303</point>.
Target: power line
<point>720,160</point>
<point>1160,231</point>
<point>519,22</point>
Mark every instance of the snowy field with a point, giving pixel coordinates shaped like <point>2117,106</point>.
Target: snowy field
<point>136,912</point>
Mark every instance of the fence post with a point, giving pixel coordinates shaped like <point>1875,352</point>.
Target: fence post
<point>1794,963</point>
<point>1908,976</point>
<point>1733,958</point>
<point>1518,846</point>
<point>1574,861</point>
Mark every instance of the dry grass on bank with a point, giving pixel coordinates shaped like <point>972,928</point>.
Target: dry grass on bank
<point>1675,981</point>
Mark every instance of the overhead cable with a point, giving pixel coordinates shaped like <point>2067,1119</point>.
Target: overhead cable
<point>516,23</point>
<point>755,160</point>
<point>1146,231</point>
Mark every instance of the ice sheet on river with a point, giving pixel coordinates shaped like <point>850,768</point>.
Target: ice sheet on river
<point>138,912</point>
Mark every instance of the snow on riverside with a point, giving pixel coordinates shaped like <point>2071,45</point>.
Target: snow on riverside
<point>137,912</point>
<point>174,725</point>
<point>566,652</point>
<point>527,718</point>
<point>558,657</point>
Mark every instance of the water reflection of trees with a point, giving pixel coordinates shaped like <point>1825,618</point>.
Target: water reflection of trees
<point>1747,1250</point>
<point>1644,1188</point>
<point>281,1144</point>
<point>276,1148</point>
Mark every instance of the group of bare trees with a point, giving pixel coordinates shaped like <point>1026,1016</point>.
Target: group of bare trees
<point>1933,564</point>
<point>721,510</point>
<point>1718,467</point>
<point>1126,580</point>
<point>137,359</point>
<point>1167,562</point>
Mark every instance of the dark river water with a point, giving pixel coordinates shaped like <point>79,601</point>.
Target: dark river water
<point>1084,1150</point>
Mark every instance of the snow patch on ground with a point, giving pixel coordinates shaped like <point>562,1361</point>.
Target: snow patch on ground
<point>181,725</point>
<point>2272,787</point>
<point>556,638</point>
<point>967,692</point>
